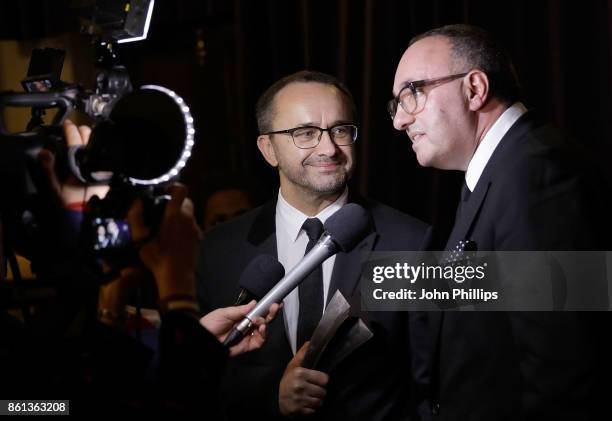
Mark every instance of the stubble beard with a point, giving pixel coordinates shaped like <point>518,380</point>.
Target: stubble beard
<point>326,184</point>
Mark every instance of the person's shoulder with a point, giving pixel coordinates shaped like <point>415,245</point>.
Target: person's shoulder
<point>389,216</point>
<point>539,140</point>
<point>392,223</point>
<point>238,228</point>
<point>546,140</point>
<point>534,150</point>
<point>544,162</point>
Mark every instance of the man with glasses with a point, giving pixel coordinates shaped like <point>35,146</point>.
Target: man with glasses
<point>456,95</point>
<point>307,131</point>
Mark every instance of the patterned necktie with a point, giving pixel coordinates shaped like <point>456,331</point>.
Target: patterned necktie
<point>311,288</point>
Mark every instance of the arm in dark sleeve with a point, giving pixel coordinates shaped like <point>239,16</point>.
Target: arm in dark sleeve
<point>192,363</point>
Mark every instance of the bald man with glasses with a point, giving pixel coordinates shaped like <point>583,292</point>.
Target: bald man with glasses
<point>527,187</point>
<point>307,132</point>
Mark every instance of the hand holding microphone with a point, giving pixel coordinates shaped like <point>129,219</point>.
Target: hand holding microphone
<point>220,321</point>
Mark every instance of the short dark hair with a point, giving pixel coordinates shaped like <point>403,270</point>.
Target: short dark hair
<point>264,110</point>
<point>478,49</point>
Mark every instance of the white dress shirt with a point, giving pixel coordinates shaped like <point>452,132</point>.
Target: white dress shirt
<point>291,243</point>
<point>490,141</point>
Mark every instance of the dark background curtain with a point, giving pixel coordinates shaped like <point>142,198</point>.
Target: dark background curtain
<point>220,55</point>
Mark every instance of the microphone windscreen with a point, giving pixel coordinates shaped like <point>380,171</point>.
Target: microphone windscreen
<point>261,275</point>
<point>348,226</point>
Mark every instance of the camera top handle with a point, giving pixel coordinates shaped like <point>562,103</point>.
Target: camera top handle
<point>64,101</point>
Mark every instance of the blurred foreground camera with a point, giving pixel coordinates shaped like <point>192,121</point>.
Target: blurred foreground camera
<point>141,139</point>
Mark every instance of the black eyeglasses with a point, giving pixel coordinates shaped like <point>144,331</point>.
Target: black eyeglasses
<point>412,98</point>
<point>307,137</point>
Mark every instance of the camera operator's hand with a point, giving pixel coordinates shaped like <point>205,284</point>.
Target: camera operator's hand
<point>301,390</point>
<point>171,257</point>
<point>71,192</point>
<point>171,254</point>
<point>113,296</point>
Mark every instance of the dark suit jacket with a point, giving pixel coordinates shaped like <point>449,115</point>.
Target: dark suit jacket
<point>371,384</point>
<point>535,193</point>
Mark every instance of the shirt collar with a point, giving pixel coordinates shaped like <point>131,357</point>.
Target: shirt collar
<point>490,141</point>
<point>292,219</point>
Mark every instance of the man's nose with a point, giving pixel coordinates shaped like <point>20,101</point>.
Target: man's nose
<point>326,145</point>
<point>402,120</point>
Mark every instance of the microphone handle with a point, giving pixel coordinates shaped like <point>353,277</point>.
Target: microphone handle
<point>324,248</point>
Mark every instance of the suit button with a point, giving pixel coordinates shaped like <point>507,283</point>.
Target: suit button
<point>435,408</point>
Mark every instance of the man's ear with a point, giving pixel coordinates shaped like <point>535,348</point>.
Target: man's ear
<point>477,89</point>
<point>267,149</point>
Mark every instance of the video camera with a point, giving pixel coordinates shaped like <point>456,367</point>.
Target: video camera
<point>141,139</point>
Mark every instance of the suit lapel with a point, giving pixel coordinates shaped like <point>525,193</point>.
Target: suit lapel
<point>262,237</point>
<point>262,233</point>
<point>467,218</point>
<point>470,209</point>
<point>347,268</point>
<point>468,213</point>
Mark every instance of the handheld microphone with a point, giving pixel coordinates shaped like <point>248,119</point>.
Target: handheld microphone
<point>260,275</point>
<point>343,231</point>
